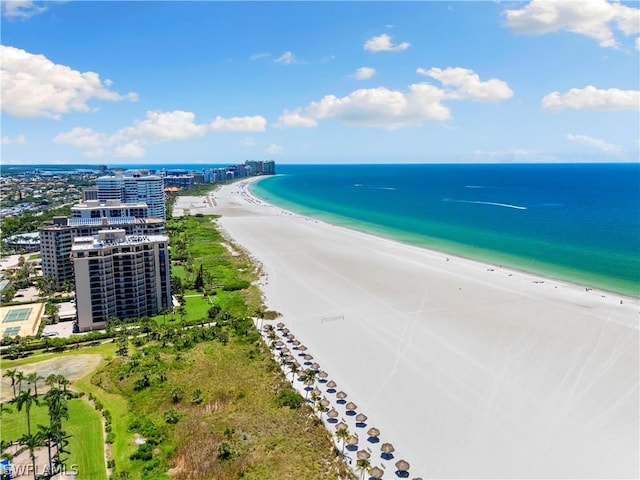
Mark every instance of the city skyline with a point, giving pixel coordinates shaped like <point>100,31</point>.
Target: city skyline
<point>122,83</point>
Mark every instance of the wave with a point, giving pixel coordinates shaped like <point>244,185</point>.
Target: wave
<point>495,204</point>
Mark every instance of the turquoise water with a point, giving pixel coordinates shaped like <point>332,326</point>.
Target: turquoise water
<point>578,222</point>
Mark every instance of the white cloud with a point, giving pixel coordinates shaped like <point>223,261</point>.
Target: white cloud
<point>257,56</point>
<point>287,58</point>
<point>33,86</point>
<point>382,107</point>
<point>130,142</point>
<point>295,119</point>
<point>593,18</point>
<point>256,123</point>
<point>516,155</point>
<point>17,140</point>
<point>22,8</point>
<point>364,73</point>
<point>383,43</point>
<point>274,149</point>
<point>638,44</point>
<point>592,98</point>
<point>598,144</point>
<point>467,84</point>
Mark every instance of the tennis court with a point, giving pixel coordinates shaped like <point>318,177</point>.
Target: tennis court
<point>17,315</point>
<point>11,331</point>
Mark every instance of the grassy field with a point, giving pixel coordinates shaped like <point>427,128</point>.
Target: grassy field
<point>84,426</point>
<point>204,399</point>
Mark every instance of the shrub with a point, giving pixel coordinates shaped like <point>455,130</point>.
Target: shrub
<point>289,398</point>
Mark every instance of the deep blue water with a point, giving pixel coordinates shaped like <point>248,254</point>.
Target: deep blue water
<point>579,222</point>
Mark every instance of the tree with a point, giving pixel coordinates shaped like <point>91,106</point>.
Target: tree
<point>51,310</point>
<point>26,400</point>
<point>33,378</point>
<point>31,442</point>
<point>342,434</point>
<point>11,374</point>
<point>363,466</point>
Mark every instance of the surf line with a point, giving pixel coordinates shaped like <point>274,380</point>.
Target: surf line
<point>495,204</point>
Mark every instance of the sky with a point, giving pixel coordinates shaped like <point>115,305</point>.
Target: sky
<point>148,82</point>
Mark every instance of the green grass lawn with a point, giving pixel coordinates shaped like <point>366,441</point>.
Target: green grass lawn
<point>84,426</point>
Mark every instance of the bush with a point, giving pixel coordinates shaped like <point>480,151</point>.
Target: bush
<point>289,398</point>
<point>144,452</point>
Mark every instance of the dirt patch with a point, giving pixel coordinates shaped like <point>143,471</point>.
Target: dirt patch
<point>72,367</point>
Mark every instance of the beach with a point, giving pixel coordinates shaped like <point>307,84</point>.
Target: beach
<point>469,369</point>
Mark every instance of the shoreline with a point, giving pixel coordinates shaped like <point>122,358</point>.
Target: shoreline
<point>469,370</point>
<point>550,271</point>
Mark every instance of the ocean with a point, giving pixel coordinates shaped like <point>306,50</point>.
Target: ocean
<point>575,222</point>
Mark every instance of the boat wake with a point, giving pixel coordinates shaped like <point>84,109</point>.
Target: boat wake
<point>375,187</point>
<point>495,204</point>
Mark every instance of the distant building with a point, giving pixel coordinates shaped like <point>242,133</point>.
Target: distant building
<point>138,188</point>
<point>120,276</point>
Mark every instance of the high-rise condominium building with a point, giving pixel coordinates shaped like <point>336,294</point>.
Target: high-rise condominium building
<point>147,189</point>
<point>87,219</point>
<point>120,276</point>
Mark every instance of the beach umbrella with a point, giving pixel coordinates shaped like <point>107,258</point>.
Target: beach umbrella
<point>290,336</point>
<point>279,343</point>
<point>302,348</point>
<point>285,331</point>
<point>350,406</point>
<point>341,426</point>
<point>296,342</point>
<point>362,455</point>
<point>324,402</point>
<point>361,418</point>
<point>373,432</point>
<point>353,440</point>
<point>331,384</point>
<point>315,366</point>
<point>323,375</point>
<point>284,350</point>
<point>341,395</point>
<point>333,413</point>
<point>308,357</point>
<point>316,391</point>
<point>280,325</point>
<point>289,358</point>
<point>402,465</point>
<point>387,451</point>
<point>376,473</point>
<point>387,448</point>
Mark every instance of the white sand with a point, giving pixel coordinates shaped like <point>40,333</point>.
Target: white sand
<point>470,370</point>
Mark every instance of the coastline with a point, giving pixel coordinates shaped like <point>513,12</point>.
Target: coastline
<point>468,369</point>
<point>533,266</point>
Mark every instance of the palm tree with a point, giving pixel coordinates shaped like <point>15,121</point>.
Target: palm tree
<point>26,400</point>
<point>48,435</point>
<point>342,434</point>
<point>33,378</point>
<point>31,442</point>
<point>363,466</point>
<point>295,368</point>
<point>20,377</point>
<point>11,374</point>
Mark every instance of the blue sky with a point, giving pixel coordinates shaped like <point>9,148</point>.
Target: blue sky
<point>320,82</point>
